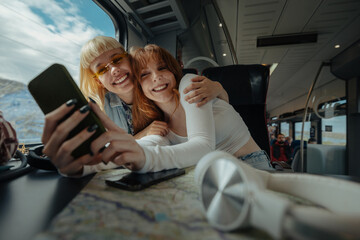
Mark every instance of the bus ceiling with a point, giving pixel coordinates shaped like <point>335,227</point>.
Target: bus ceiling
<point>295,36</point>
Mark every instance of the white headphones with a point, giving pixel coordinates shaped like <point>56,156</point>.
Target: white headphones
<point>234,195</point>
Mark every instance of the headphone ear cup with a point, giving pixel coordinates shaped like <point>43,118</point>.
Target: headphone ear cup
<point>223,191</point>
<point>233,195</point>
<point>201,168</point>
<point>205,162</point>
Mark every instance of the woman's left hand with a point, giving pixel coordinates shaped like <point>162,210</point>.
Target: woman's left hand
<point>203,90</point>
<point>122,148</point>
<point>155,128</point>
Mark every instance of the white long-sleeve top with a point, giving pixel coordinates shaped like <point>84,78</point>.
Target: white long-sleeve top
<point>215,125</point>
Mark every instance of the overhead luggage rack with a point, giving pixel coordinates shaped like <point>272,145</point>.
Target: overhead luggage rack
<point>156,16</point>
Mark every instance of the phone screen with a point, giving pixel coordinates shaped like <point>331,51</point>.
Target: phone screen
<point>137,181</point>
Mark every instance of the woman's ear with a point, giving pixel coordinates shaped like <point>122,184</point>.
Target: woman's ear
<point>99,83</point>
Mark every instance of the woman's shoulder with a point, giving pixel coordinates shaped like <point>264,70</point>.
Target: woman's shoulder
<point>186,81</point>
<point>112,100</point>
<point>107,99</point>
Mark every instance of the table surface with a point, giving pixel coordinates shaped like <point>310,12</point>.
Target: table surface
<point>43,205</point>
<point>167,210</point>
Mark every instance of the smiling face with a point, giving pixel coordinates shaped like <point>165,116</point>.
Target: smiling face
<point>113,71</point>
<point>157,82</point>
<point>157,77</point>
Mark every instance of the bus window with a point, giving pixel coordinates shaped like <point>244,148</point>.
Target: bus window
<point>284,128</point>
<point>298,128</point>
<point>333,131</point>
<point>36,35</point>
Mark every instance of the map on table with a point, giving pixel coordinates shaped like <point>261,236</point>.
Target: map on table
<point>168,210</point>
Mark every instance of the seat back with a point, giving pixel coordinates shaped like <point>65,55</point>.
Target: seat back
<point>247,87</point>
<point>296,162</point>
<point>326,159</point>
<point>295,147</point>
<point>189,70</point>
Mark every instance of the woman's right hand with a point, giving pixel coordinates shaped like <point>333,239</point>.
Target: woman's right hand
<point>58,148</point>
<point>155,128</point>
<point>121,147</point>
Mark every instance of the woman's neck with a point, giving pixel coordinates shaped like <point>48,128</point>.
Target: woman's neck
<point>127,98</point>
<point>175,117</point>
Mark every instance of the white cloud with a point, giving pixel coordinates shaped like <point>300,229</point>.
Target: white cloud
<point>29,43</point>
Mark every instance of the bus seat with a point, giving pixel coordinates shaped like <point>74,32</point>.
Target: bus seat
<point>247,87</point>
<point>326,159</point>
<point>295,147</point>
<point>189,70</point>
<point>296,163</point>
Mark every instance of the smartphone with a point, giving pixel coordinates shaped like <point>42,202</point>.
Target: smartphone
<point>55,86</point>
<point>138,181</point>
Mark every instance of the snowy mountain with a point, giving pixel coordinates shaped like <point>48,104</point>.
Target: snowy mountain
<point>21,110</point>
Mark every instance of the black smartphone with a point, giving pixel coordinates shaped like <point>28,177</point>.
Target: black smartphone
<point>55,86</point>
<point>138,181</point>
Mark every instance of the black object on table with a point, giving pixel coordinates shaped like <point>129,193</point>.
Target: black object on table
<point>28,203</point>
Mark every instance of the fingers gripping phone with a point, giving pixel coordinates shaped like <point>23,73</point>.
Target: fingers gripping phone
<point>55,86</point>
<point>138,181</point>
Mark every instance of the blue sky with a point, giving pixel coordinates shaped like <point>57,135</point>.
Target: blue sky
<point>39,33</point>
<point>96,16</point>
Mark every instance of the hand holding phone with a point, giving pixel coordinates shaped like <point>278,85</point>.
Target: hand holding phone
<point>138,181</point>
<point>55,86</point>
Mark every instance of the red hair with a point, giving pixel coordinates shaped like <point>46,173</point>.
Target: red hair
<point>144,110</point>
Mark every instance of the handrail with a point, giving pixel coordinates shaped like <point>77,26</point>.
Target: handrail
<point>226,31</point>
<point>305,113</point>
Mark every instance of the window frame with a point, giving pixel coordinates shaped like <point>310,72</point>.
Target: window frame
<point>118,18</point>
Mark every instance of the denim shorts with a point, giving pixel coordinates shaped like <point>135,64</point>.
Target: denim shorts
<point>258,160</point>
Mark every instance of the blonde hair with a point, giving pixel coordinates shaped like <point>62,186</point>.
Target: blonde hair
<point>90,86</point>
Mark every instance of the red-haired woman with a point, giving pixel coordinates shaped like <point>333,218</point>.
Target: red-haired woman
<point>193,132</point>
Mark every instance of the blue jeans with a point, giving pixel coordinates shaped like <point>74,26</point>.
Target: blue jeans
<point>258,160</point>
